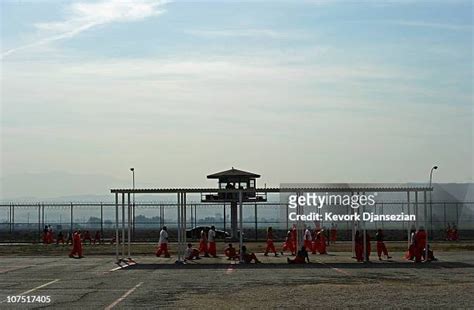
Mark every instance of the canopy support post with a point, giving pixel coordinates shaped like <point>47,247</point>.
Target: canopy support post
<point>123,226</point>
<point>116,228</point>
<point>426,221</point>
<point>183,234</point>
<point>241,239</point>
<point>178,205</point>
<point>353,230</point>
<point>409,224</point>
<point>129,224</point>
<point>366,256</point>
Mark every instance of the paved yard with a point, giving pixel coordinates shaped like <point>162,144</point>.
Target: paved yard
<point>329,281</point>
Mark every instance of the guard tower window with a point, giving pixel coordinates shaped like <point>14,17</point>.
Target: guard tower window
<point>227,185</point>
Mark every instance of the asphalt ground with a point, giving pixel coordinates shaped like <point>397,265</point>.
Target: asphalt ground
<point>335,281</point>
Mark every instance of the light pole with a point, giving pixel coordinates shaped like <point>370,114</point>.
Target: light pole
<point>431,174</point>
<point>431,211</point>
<point>431,204</point>
<point>133,200</point>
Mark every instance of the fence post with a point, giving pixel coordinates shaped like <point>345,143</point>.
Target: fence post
<point>425,217</point>
<point>457,216</point>
<point>101,220</point>
<point>224,218</point>
<point>39,222</point>
<point>409,223</point>
<point>133,217</point>
<point>431,218</point>
<point>256,223</point>
<point>347,222</point>
<point>381,205</point>
<point>403,223</point>
<point>72,219</point>
<point>444,211</point>
<point>10,219</point>
<point>161,215</point>
<point>195,214</point>
<point>375,211</point>
<point>13,218</point>
<point>42,215</point>
<point>416,210</point>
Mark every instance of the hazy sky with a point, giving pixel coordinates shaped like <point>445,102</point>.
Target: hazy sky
<point>298,91</point>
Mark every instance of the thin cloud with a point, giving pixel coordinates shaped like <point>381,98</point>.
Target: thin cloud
<point>247,33</point>
<point>84,16</point>
<point>443,26</point>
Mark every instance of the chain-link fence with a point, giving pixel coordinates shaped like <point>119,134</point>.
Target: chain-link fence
<point>25,222</point>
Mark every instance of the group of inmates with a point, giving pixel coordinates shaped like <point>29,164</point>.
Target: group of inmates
<point>314,242</point>
<point>49,237</point>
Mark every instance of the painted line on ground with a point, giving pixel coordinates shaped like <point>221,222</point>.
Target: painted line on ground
<point>121,267</point>
<point>121,298</point>
<point>114,269</point>
<point>38,287</point>
<point>34,289</point>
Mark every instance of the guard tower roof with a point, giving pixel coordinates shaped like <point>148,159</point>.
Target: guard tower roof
<point>233,173</point>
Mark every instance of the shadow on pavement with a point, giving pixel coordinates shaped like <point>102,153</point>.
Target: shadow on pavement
<point>385,265</point>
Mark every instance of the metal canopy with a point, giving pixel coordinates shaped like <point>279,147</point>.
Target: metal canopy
<point>273,190</point>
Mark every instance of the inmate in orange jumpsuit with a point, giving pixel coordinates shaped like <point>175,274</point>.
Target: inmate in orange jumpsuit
<point>203,244</point>
<point>455,233</point>
<point>293,236</point>
<point>76,245</point>
<point>97,237</point>
<point>163,248</point>
<point>191,253</point>
<point>87,237</point>
<point>359,247</point>
<point>420,244</point>
<point>410,254</point>
<point>46,235</point>
<point>300,258</point>
<point>50,237</point>
<point>248,258</point>
<point>449,233</point>
<point>320,243</point>
<point>270,245</point>
<point>212,242</point>
<point>368,247</point>
<point>288,245</point>
<point>60,238</point>
<point>231,253</point>
<point>381,248</point>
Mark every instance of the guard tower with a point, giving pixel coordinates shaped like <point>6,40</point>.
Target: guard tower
<point>233,180</point>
